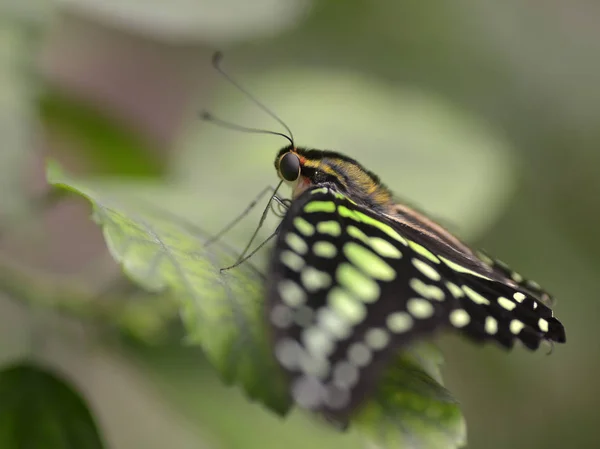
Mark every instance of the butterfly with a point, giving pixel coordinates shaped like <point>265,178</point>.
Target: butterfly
<point>355,276</point>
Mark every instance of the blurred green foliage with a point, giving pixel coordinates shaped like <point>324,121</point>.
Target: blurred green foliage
<point>40,410</point>
<point>221,313</point>
<point>108,146</point>
<point>483,114</point>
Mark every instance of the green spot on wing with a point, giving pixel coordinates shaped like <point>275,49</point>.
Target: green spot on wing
<point>348,213</point>
<point>296,242</point>
<point>325,249</point>
<point>319,206</point>
<point>428,291</point>
<point>475,296</point>
<point>460,269</point>
<point>369,262</point>
<point>348,308</point>
<point>384,248</point>
<point>420,249</point>
<point>363,287</point>
<point>381,246</point>
<point>330,227</point>
<point>366,219</point>
<point>303,226</point>
<point>381,226</point>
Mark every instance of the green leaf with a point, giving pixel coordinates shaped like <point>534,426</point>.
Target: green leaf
<point>40,410</point>
<point>223,314</point>
<point>411,409</point>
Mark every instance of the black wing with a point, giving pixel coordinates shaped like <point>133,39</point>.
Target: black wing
<point>502,304</point>
<point>347,287</point>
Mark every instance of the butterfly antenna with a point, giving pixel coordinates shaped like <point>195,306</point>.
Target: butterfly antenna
<point>216,62</point>
<point>208,117</point>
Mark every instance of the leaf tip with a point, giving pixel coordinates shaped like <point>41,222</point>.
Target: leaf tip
<point>54,172</point>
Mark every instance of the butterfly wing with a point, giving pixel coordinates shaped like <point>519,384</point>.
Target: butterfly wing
<point>501,304</point>
<point>419,225</point>
<point>533,289</point>
<point>347,287</point>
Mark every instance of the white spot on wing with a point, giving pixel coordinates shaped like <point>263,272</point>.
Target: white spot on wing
<point>455,290</point>
<point>377,338</point>
<point>291,293</point>
<point>281,316</point>
<point>308,392</point>
<point>359,354</point>
<point>313,279</point>
<point>317,342</point>
<point>519,297</point>
<point>348,308</point>
<point>474,296</point>
<point>491,325</point>
<point>420,308</point>
<point>345,375</point>
<point>506,303</point>
<point>516,326</point>
<point>291,260</point>
<point>459,318</point>
<point>288,353</point>
<point>333,323</point>
<point>399,322</point>
<point>296,242</point>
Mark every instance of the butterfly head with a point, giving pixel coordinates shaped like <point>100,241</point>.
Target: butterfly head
<point>302,168</point>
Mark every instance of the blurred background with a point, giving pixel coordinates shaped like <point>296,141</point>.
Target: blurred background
<point>484,114</point>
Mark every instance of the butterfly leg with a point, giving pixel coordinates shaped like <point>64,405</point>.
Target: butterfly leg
<point>241,216</point>
<point>284,205</point>
<point>241,260</point>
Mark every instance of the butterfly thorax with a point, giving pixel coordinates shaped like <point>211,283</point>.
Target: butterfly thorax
<point>339,172</point>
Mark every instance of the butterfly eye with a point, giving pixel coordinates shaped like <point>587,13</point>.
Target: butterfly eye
<point>289,167</point>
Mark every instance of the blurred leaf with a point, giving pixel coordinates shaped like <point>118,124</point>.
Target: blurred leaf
<point>17,121</point>
<point>109,146</point>
<point>198,19</point>
<point>221,312</point>
<point>40,411</point>
<point>136,312</point>
<point>31,12</point>
<point>410,409</point>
